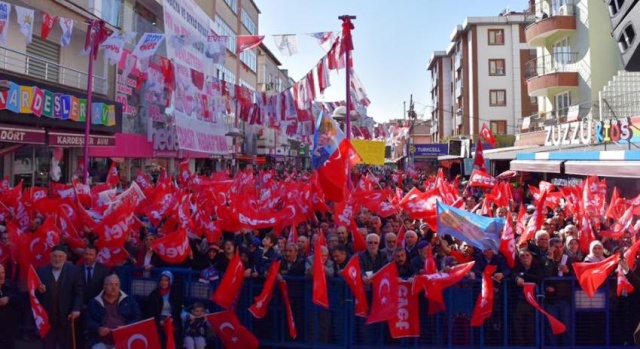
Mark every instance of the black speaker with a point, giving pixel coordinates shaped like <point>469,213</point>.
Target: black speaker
<point>618,9</point>
<point>627,37</point>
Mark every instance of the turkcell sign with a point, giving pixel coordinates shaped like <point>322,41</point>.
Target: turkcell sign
<point>428,150</point>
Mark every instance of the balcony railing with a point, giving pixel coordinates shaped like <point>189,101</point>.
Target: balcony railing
<point>40,68</point>
<point>548,64</point>
<point>538,121</point>
<point>547,9</point>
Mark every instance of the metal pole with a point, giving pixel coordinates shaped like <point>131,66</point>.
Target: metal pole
<point>347,55</point>
<point>85,159</point>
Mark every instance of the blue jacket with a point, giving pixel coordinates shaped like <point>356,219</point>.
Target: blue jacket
<point>96,312</point>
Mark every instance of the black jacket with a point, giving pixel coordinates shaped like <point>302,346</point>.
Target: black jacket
<point>69,295</point>
<point>297,268</point>
<point>155,302</point>
<point>99,273</point>
<point>367,263</point>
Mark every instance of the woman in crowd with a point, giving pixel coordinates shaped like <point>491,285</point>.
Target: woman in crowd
<point>164,302</point>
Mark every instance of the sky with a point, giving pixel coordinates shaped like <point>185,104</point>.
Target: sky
<point>393,41</point>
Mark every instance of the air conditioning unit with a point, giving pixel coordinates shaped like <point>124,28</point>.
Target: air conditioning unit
<point>566,10</point>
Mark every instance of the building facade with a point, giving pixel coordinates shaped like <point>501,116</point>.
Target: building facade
<point>483,77</point>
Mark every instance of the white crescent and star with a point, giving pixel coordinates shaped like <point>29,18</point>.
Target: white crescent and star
<point>137,337</point>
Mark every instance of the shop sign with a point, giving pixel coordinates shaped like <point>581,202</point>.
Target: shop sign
<point>566,182</point>
<point>164,140</point>
<point>614,130</point>
<point>578,132</point>
<point>40,102</point>
<point>430,150</point>
<point>77,140</point>
<point>20,135</point>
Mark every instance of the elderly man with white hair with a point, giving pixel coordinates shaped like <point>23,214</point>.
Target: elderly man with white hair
<point>371,260</point>
<point>411,244</point>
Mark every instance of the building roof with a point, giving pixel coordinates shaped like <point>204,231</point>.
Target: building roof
<point>266,50</point>
<point>434,55</point>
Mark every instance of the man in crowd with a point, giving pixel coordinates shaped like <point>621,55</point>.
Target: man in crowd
<point>108,310</point>
<point>93,274</point>
<point>61,296</point>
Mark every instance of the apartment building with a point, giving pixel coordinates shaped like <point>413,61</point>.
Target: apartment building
<point>575,59</point>
<point>479,78</point>
<point>44,87</point>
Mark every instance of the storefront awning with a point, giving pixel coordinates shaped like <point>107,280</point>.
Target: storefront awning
<point>548,166</point>
<point>22,135</point>
<point>625,169</point>
<point>75,140</point>
<point>449,157</point>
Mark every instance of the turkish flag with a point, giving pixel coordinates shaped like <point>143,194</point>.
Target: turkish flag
<point>586,235</point>
<point>112,231</point>
<point>484,304</point>
<point>259,308</point>
<point>623,283</point>
<point>39,313</point>
<point>173,248</point>
<point>487,135</point>
<point>113,178</point>
<point>139,335</point>
<point>508,243</point>
<point>184,172</point>
<point>320,294</point>
<point>231,283</point>
<point>384,305</point>
<point>352,275</point>
<point>231,332</point>
<point>434,284</point>
<point>167,325</point>
<point>557,327</point>
<point>42,242</point>
<point>481,179</point>
<point>112,256</point>
<point>284,292</point>
<point>247,42</point>
<point>83,194</point>
<point>478,159</point>
<point>406,322</point>
<point>359,244</point>
<point>592,275</point>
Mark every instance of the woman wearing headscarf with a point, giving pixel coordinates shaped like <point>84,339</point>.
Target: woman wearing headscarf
<point>596,252</point>
<point>166,301</point>
<point>572,249</point>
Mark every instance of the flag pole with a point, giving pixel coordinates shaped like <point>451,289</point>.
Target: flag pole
<point>346,35</point>
<point>85,157</point>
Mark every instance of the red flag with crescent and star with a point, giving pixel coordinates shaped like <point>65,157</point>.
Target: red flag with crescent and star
<point>231,332</point>
<point>39,313</point>
<point>384,305</point>
<point>231,283</point>
<point>139,335</point>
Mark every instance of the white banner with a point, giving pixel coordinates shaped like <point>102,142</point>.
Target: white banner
<point>25,21</point>
<point>114,45</point>
<point>147,45</point>
<point>193,107</point>
<point>5,11</point>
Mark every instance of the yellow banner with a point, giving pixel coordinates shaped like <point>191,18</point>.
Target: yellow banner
<point>371,152</point>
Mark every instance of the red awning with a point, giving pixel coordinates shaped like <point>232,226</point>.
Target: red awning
<point>126,146</point>
<point>22,135</point>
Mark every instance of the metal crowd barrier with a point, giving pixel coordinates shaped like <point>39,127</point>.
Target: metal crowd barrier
<point>604,320</point>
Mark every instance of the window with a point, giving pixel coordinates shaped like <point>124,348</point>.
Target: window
<point>249,58</point>
<point>44,51</point>
<point>499,127</point>
<point>496,67</point>
<point>223,29</point>
<point>562,103</point>
<point>227,75</point>
<point>533,100</point>
<point>497,98</point>
<point>248,22</point>
<point>233,4</point>
<point>496,36</point>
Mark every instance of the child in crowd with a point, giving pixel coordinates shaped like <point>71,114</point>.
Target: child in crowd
<point>196,327</point>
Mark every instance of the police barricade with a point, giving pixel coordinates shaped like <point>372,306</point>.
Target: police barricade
<point>604,320</point>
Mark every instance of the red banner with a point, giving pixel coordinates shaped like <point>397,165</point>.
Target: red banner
<point>557,327</point>
<point>406,322</point>
<point>39,313</point>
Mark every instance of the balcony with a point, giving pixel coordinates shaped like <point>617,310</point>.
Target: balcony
<point>21,63</point>
<point>551,74</point>
<point>459,88</point>
<point>551,22</point>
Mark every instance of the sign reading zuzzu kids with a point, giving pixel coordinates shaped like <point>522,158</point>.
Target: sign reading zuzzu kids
<point>41,102</point>
<point>618,130</point>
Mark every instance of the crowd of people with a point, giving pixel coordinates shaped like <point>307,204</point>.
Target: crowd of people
<point>83,297</point>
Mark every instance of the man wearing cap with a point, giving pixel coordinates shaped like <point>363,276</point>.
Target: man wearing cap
<point>417,262</point>
<point>61,296</point>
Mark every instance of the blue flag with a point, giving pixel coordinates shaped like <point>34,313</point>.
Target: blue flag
<point>478,231</point>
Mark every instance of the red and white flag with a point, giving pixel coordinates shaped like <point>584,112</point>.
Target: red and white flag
<point>284,292</point>
<point>487,135</point>
<point>406,322</point>
<point>173,248</point>
<point>384,305</point>
<point>230,331</point>
<point>478,159</point>
<point>167,325</point>
<point>287,44</point>
<point>320,295</point>
<point>325,40</point>
<point>484,304</point>
<point>352,275</point>
<point>39,313</point>
<point>113,178</point>
<point>247,42</point>
<point>508,244</point>
<point>5,13</point>
<point>139,335</point>
<point>592,275</point>
<point>323,74</point>
<point>47,24</point>
<point>259,308</point>
<point>231,283</point>
<point>557,327</point>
